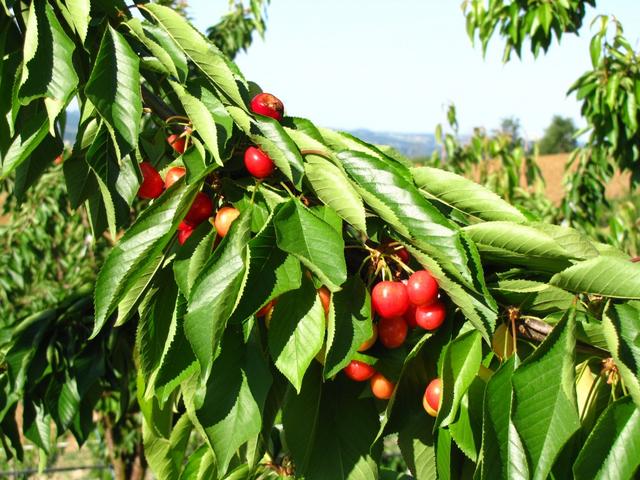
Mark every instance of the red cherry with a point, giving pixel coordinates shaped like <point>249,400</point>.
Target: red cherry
<point>184,226</point>
<point>422,288</point>
<point>381,387</point>
<point>432,316</point>
<point>152,184</point>
<point>173,175</point>
<point>390,299</point>
<point>359,371</point>
<point>258,163</point>
<point>224,219</point>
<point>404,255</point>
<point>432,394</point>
<point>200,210</point>
<point>392,331</point>
<point>410,316</point>
<point>183,234</point>
<point>268,105</point>
<point>266,309</point>
<point>325,298</point>
<point>178,143</point>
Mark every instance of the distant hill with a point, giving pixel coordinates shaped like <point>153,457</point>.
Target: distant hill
<point>411,145</point>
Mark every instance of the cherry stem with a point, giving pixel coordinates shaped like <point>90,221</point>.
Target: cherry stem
<point>319,153</point>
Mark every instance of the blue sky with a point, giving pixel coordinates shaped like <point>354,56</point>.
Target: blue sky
<point>395,64</point>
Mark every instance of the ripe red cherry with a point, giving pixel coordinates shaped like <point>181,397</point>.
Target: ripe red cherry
<point>432,316</point>
<point>390,299</point>
<point>184,233</point>
<point>173,175</point>
<point>268,105</point>
<point>404,255</point>
<point>381,387</point>
<point>392,331</point>
<point>410,316</point>
<point>359,371</point>
<point>200,210</point>
<point>184,226</point>
<point>178,143</point>
<point>422,288</point>
<point>431,399</point>
<point>152,184</point>
<point>224,219</point>
<point>258,163</point>
<point>266,309</point>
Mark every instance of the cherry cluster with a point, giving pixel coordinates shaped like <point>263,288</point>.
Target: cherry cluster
<point>399,306</point>
<point>257,163</point>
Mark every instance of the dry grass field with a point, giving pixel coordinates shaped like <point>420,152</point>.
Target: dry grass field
<point>552,167</point>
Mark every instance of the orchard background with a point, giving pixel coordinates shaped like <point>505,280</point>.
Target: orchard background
<point>203,286</point>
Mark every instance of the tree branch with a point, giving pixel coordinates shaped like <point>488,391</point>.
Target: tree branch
<point>156,104</point>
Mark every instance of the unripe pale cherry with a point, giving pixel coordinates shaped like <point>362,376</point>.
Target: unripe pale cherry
<point>381,387</point>
<point>173,175</point>
<point>224,219</point>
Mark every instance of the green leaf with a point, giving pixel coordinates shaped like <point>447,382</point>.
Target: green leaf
<point>622,334</point>
<point>334,190</point>
<point>231,412</point>
<point>520,244</point>
<point>156,320</point>
<point>166,455</point>
<point>103,161</point>
<point>27,138</point>
<point>412,215</point>
<point>459,367</point>
<point>114,87</point>
<point>503,455</point>
<point>192,256</point>
<point>466,431</point>
<point>157,50</point>
<point>199,50</point>
<point>80,14</point>
<point>297,331</point>
<point>201,465</point>
<point>531,296</point>
<point>271,273</point>
<point>281,149</point>
<point>139,246</point>
<point>215,293</point>
<point>329,430</point>
<point>545,411</point>
<point>612,450</point>
<point>465,195</point>
<point>349,325</point>
<point>48,71</point>
<point>312,241</point>
<point>481,312</point>
<point>202,119</point>
<point>604,275</point>
<point>178,360</point>
<point>416,444</point>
